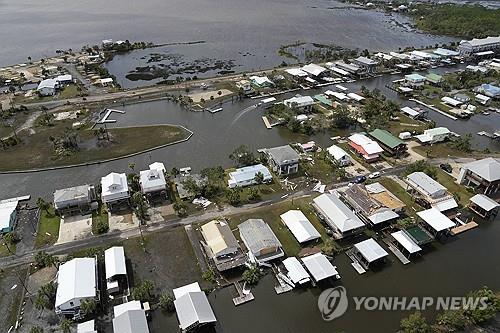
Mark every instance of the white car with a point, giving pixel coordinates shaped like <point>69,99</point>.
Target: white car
<point>374,175</point>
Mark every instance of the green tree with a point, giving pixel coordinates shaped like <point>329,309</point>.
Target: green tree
<point>144,292</point>
<point>254,194</point>
<point>341,118</point>
<point>330,247</point>
<point>405,222</point>
<point>252,275</point>
<point>43,259</point>
<point>234,196</point>
<point>133,182</point>
<point>166,302</point>
<point>463,143</point>
<point>36,329</point>
<point>478,315</point>
<point>180,208</point>
<point>414,323</point>
<point>242,156</point>
<point>453,320</point>
<point>88,306</point>
<point>190,184</point>
<point>65,325</point>
<point>140,206</point>
<point>43,205</point>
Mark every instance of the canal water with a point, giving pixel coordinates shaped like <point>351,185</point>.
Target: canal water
<point>248,32</point>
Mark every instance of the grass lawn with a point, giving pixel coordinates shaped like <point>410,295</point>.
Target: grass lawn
<point>449,182</point>
<point>271,215</point>
<point>69,91</point>
<point>396,189</point>
<point>405,124</point>
<point>101,216</point>
<point>442,150</point>
<point>123,141</point>
<point>48,228</point>
<point>4,251</point>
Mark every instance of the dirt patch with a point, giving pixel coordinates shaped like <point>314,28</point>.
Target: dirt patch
<point>122,221</point>
<point>74,227</point>
<point>207,94</point>
<point>11,291</point>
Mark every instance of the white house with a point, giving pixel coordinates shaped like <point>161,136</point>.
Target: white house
<point>114,188</point>
<point>300,226</point>
<point>475,45</point>
<point>8,215</point>
<point>260,240</point>
<point>295,271</point>
<point>339,155</point>
<point>314,70</point>
<point>435,222</point>
<point>320,267</point>
<point>47,87</point>
<point>76,281</point>
<point>246,176</point>
<point>130,317</point>
<point>192,307</point>
<point>434,135</point>
<point>152,182</point>
<point>337,215</point>
<point>429,190</point>
<point>114,260</point>
<point>301,103</point>
<point>64,79</point>
<point>369,149</point>
<point>369,252</point>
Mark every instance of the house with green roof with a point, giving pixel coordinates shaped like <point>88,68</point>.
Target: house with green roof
<point>434,78</point>
<point>391,144</point>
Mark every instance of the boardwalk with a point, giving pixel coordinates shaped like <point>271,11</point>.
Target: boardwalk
<point>463,228</point>
<point>266,122</point>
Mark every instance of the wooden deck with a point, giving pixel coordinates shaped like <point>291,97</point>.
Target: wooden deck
<point>396,252</point>
<point>242,298</point>
<point>266,122</point>
<point>463,228</point>
<point>355,263</point>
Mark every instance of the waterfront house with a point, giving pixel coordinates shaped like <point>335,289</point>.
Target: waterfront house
<point>8,216</point>
<point>391,144</point>
<point>451,101</point>
<point>434,79</point>
<point>192,307</point>
<point>368,65</point>
<point>370,210</point>
<point>314,70</point>
<point>320,267</point>
<point>350,68</point>
<point>246,176</point>
<point>489,90</point>
<point>221,245</point>
<point>483,175</point>
<point>369,253</point>
<point>469,47</point>
<point>76,281</point>
<point>114,189</point>
<point>365,147</point>
<point>300,226</point>
<point>244,86</point>
<point>106,82</point>
<point>337,215</point>
<point>185,192</point>
<point>153,183</point>
<point>261,81</point>
<point>462,98</point>
<point>484,206</point>
<point>339,156</point>
<point>295,271</point>
<point>283,160</point>
<point>445,53</point>
<point>116,269</point>
<point>64,79</point>
<point>405,244</point>
<point>130,317</point>
<point>435,222</point>
<point>414,80</point>
<point>300,103</point>
<point>429,193</point>
<point>482,99</point>
<point>297,74</point>
<point>434,135</point>
<point>412,113</point>
<point>75,200</point>
<point>260,241</point>
<point>47,87</point>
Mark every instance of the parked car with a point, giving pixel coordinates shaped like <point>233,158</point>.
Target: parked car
<point>446,167</point>
<point>359,179</point>
<point>374,175</point>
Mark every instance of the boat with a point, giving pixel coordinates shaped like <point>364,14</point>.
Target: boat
<point>214,110</point>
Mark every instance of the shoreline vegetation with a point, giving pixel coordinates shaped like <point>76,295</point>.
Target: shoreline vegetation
<point>56,146</point>
<point>449,19</point>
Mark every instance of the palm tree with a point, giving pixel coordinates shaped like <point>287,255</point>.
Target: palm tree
<point>65,325</point>
<point>43,205</point>
<point>40,303</point>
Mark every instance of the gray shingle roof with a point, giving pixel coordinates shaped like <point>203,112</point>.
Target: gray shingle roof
<point>258,235</point>
<point>283,154</point>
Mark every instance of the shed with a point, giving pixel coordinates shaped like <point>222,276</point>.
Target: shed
<point>484,206</point>
<point>369,251</point>
<point>114,259</point>
<point>296,272</point>
<point>436,221</point>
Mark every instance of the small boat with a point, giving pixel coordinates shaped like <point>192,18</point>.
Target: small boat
<point>214,110</point>
<point>486,113</point>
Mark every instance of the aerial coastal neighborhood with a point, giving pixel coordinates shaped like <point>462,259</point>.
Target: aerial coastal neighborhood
<point>178,205</point>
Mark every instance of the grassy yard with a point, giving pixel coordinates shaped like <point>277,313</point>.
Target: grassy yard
<point>48,228</point>
<point>442,150</point>
<point>69,91</point>
<point>396,189</point>
<point>100,217</point>
<point>458,190</point>
<point>405,124</point>
<point>271,215</point>
<point>123,141</point>
<point>4,251</point>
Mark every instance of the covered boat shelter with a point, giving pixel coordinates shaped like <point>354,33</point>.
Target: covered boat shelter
<point>320,267</point>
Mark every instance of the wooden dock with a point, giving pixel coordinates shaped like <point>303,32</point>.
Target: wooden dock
<point>242,298</point>
<point>396,252</point>
<point>355,263</point>
<point>266,122</point>
<point>463,228</point>
<point>433,108</point>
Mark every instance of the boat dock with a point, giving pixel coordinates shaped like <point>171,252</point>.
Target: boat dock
<point>283,285</point>
<point>396,251</point>
<point>355,263</point>
<point>214,110</point>
<point>463,228</point>
<point>433,108</point>
<point>242,298</point>
<point>266,122</point>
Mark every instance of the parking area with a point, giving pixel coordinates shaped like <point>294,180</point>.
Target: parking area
<point>122,221</point>
<point>74,228</point>
<point>27,220</point>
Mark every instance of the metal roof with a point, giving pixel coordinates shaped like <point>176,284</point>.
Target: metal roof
<point>488,168</point>
<point>296,272</point>
<point>300,226</point>
<point>76,279</point>
<point>319,266</point>
<point>114,259</point>
<point>402,238</point>
<point>426,183</point>
<point>370,250</point>
<point>258,235</point>
<point>337,213</point>
<point>437,220</point>
<point>386,138</point>
<point>484,202</point>
<point>193,308</point>
<point>131,321</point>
